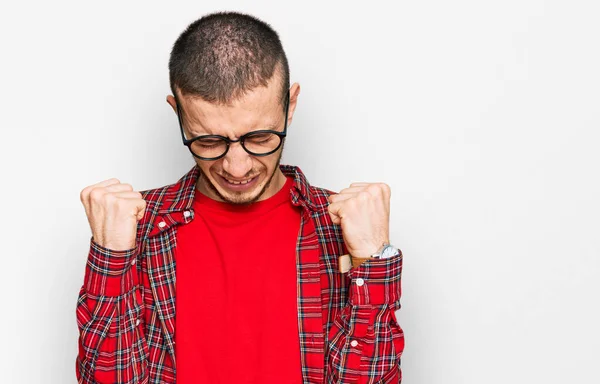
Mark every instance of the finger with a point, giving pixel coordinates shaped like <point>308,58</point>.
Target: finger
<point>106,183</point>
<point>361,184</point>
<point>341,197</point>
<point>334,218</point>
<point>128,195</point>
<point>387,191</point>
<point>378,186</point>
<point>98,194</point>
<point>335,208</point>
<point>118,188</point>
<point>352,189</point>
<point>85,193</point>
<point>134,205</point>
<point>377,189</point>
<point>141,208</point>
<point>336,212</point>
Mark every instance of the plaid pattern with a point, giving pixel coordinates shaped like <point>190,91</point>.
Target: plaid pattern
<point>126,308</point>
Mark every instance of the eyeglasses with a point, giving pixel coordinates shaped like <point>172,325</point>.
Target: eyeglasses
<point>256,143</point>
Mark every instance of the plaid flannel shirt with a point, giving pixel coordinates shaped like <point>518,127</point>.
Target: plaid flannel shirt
<point>348,331</point>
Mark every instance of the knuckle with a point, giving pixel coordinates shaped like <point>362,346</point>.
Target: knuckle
<point>364,195</point>
<point>108,198</point>
<point>84,194</point>
<point>96,194</point>
<point>334,208</point>
<point>373,187</point>
<point>385,188</point>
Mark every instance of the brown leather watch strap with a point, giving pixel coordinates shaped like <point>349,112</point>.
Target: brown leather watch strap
<point>345,262</point>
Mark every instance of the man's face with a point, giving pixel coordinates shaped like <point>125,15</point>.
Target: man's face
<point>238,177</point>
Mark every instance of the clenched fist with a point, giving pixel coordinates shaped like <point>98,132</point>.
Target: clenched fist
<point>363,211</point>
<point>113,210</point>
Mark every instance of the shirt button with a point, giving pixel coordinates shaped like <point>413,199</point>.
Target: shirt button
<point>360,282</point>
<point>162,224</point>
<point>354,343</point>
<point>186,213</point>
<point>133,261</point>
<point>137,322</point>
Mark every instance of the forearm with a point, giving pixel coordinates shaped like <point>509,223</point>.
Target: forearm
<point>109,309</point>
<point>365,341</point>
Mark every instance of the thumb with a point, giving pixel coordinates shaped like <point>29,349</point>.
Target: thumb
<point>141,209</point>
<point>333,214</point>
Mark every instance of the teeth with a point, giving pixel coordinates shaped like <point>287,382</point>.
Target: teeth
<point>239,182</point>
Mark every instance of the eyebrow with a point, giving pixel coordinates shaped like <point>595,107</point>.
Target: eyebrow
<point>269,127</point>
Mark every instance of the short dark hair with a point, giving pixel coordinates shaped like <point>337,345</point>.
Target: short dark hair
<point>222,55</point>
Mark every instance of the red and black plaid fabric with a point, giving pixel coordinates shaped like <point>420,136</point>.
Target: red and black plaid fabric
<point>126,309</point>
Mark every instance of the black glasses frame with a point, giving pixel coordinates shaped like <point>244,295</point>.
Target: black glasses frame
<point>228,141</point>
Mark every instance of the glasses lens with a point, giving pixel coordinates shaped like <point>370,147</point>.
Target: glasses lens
<point>261,143</point>
<point>209,147</point>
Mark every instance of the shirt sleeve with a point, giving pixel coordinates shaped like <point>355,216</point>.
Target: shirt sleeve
<point>365,341</point>
<point>376,282</point>
<point>112,345</point>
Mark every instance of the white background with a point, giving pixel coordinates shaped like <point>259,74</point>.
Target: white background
<point>481,115</point>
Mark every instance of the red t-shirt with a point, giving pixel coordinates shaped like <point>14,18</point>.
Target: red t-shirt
<point>236,308</point>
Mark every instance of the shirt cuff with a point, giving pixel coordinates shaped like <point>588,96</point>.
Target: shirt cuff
<point>105,269</point>
<point>376,282</point>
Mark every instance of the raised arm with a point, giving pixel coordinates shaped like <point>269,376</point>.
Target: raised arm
<point>112,345</point>
<point>365,341</point>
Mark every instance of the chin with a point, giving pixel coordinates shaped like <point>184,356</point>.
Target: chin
<point>242,199</point>
<point>235,193</point>
<point>241,194</point>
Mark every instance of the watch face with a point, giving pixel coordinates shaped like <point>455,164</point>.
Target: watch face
<point>389,251</point>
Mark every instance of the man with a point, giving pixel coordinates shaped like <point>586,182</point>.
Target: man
<point>233,274</point>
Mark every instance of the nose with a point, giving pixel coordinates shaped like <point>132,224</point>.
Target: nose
<point>237,162</point>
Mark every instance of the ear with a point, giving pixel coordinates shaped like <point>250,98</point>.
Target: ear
<point>172,103</point>
<point>294,93</point>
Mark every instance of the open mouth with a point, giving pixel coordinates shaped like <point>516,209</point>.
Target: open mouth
<point>238,185</point>
<point>239,182</point>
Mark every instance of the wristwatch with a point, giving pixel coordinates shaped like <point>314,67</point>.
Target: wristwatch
<point>345,262</point>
